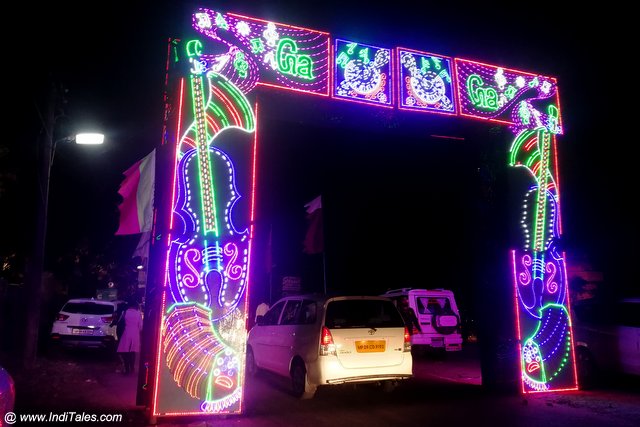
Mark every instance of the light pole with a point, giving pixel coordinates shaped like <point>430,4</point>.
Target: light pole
<point>46,151</point>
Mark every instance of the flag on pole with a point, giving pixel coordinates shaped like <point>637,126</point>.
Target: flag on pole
<point>137,188</point>
<point>314,239</point>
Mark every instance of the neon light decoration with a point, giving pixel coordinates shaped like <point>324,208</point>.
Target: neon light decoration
<point>363,73</point>
<point>523,100</point>
<point>539,272</point>
<point>266,53</point>
<point>425,82</point>
<point>201,352</point>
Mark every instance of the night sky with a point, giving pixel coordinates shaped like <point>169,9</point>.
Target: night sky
<point>395,202</point>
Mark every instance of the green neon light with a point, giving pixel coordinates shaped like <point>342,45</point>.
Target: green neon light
<point>565,358</point>
<point>351,47</point>
<point>436,62</point>
<point>342,60</point>
<point>257,46</point>
<point>444,74</point>
<point>553,114</point>
<point>424,65</point>
<point>193,48</point>
<point>544,143</point>
<point>221,22</point>
<point>291,62</point>
<point>241,65</point>
<point>517,145</point>
<point>207,194</point>
<point>524,113</point>
<point>364,54</point>
<point>484,98</point>
<point>242,102</point>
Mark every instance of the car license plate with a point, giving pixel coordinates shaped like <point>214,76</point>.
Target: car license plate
<point>82,331</point>
<point>371,346</point>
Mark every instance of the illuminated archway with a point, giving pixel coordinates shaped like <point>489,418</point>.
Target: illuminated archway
<point>199,366</point>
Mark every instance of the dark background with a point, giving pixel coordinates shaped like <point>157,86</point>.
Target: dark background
<point>401,206</point>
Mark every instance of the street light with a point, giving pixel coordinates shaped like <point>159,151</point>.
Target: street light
<point>47,148</point>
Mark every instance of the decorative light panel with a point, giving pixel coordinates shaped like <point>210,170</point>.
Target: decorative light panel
<point>263,52</point>
<point>539,271</point>
<point>363,73</point>
<point>425,82</point>
<point>201,349</point>
<point>200,353</point>
<point>522,100</point>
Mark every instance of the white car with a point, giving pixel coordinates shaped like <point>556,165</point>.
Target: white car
<point>607,339</point>
<point>86,322</point>
<point>437,314</point>
<point>320,341</point>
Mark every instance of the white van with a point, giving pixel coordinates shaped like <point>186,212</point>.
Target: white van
<point>437,315</point>
<point>320,341</point>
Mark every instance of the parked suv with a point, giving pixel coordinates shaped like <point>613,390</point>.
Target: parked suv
<point>86,322</point>
<point>319,340</point>
<point>607,339</point>
<point>437,315</point>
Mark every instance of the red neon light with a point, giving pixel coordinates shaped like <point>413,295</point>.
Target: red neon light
<point>271,85</point>
<point>513,70</point>
<point>573,348</point>
<point>454,86</point>
<point>518,331</point>
<point>557,180</point>
<point>277,23</point>
<point>159,353</point>
<point>175,156</point>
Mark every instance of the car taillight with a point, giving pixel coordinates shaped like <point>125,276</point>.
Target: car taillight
<point>62,317</point>
<point>407,340</point>
<point>107,319</point>
<point>327,347</point>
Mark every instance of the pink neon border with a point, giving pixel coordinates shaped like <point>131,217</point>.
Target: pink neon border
<point>392,75</point>
<point>329,59</point>
<point>513,70</point>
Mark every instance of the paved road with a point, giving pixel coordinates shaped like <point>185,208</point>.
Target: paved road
<point>445,391</point>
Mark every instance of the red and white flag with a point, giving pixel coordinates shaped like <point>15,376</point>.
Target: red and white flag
<point>314,239</point>
<point>137,188</point>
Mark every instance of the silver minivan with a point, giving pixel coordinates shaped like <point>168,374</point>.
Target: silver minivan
<point>319,340</point>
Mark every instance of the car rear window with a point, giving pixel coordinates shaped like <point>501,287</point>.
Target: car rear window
<point>87,308</point>
<point>352,313</point>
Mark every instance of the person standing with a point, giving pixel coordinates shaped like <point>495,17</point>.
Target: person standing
<point>409,316</point>
<point>129,343</point>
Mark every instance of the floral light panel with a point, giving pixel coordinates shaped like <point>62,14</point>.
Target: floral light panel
<point>255,51</point>
<point>425,82</point>
<point>523,100</point>
<point>211,121</point>
<point>363,73</point>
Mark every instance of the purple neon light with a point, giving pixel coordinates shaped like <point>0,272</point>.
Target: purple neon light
<point>426,90</point>
<point>262,68</point>
<point>511,88</point>
<point>369,80</point>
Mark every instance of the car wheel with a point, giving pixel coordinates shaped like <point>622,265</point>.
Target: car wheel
<point>389,386</point>
<point>299,383</point>
<point>251,367</point>
<point>586,368</point>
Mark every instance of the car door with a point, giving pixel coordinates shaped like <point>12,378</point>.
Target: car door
<point>628,333</point>
<point>262,337</point>
<point>284,336</point>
